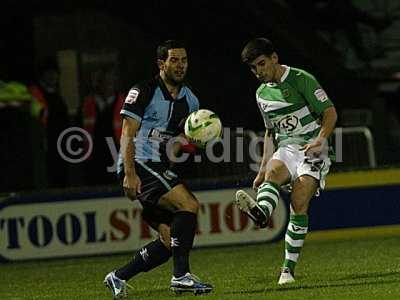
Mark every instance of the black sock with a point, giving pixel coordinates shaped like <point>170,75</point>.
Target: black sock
<point>148,257</point>
<point>183,228</point>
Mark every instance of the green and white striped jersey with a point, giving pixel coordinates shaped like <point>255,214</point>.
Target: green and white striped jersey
<point>292,107</point>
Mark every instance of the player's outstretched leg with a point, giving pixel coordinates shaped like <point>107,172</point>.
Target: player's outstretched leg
<point>147,258</point>
<point>259,210</point>
<point>294,240</point>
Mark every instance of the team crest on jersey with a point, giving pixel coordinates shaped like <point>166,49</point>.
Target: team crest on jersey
<point>132,96</point>
<point>263,106</point>
<point>321,95</point>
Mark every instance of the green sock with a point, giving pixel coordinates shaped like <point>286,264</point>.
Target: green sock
<point>294,239</point>
<point>268,196</point>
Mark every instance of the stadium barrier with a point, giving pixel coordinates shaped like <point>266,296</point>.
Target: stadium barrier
<point>55,226</point>
<point>358,199</point>
<point>354,147</point>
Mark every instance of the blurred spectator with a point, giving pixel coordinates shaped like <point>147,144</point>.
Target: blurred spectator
<point>332,16</point>
<point>53,115</point>
<point>101,118</point>
<point>16,142</point>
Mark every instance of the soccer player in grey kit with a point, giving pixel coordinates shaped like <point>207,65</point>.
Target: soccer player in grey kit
<point>152,114</point>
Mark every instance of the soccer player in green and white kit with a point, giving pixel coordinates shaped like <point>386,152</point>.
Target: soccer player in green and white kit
<point>299,117</point>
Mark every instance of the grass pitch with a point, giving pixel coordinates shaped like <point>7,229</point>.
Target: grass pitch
<point>348,264</point>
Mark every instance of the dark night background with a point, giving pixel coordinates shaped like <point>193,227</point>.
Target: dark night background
<point>352,48</point>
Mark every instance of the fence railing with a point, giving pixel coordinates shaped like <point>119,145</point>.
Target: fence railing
<point>349,149</point>
<point>354,149</point>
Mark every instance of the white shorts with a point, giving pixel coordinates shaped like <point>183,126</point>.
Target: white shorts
<point>298,164</point>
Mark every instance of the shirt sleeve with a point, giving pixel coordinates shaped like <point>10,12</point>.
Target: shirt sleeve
<point>196,105</point>
<point>193,101</point>
<point>136,102</point>
<point>314,94</point>
<point>267,122</point>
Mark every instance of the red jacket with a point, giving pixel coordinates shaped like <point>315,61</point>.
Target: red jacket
<point>89,113</point>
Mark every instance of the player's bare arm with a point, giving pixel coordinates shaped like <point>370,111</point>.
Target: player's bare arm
<point>329,118</point>
<point>132,183</point>
<point>268,151</point>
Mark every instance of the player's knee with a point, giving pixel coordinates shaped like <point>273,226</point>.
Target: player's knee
<point>273,176</point>
<point>191,205</point>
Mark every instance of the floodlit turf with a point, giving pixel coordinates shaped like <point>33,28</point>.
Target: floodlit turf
<point>363,267</point>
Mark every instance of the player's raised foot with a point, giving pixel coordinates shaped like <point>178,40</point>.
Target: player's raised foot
<point>189,283</point>
<point>248,205</point>
<point>118,287</point>
<point>286,277</point>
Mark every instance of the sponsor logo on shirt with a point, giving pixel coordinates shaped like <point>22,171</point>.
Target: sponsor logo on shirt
<point>321,95</point>
<point>159,135</point>
<point>132,96</point>
<point>287,123</point>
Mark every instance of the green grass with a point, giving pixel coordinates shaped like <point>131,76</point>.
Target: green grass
<point>360,268</point>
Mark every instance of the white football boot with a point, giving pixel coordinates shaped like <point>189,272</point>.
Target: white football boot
<point>118,287</point>
<point>190,283</point>
<point>248,205</point>
<point>286,276</point>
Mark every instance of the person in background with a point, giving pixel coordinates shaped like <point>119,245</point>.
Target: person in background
<point>101,119</point>
<point>54,118</point>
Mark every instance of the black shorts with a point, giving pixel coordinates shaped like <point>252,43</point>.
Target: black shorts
<point>157,179</point>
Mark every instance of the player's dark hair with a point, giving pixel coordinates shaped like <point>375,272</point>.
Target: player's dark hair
<point>162,49</point>
<point>257,47</point>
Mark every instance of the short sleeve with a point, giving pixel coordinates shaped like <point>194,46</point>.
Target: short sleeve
<point>196,105</point>
<point>136,102</point>
<point>314,94</point>
<point>267,122</point>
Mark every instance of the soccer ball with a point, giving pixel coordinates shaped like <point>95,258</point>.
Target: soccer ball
<point>202,126</point>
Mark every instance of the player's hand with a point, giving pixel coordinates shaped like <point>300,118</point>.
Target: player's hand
<point>258,180</point>
<point>188,146</point>
<point>178,145</point>
<point>132,186</point>
<point>315,148</point>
